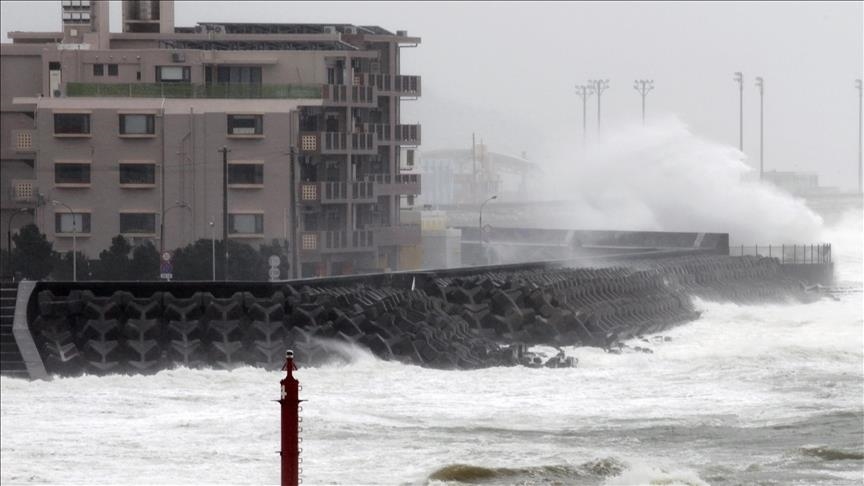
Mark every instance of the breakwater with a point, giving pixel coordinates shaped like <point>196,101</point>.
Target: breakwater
<point>466,318</point>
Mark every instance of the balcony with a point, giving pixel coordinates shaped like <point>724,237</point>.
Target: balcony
<point>401,235</point>
<point>337,192</point>
<point>338,143</point>
<point>405,134</point>
<point>337,241</point>
<point>394,185</point>
<point>23,141</point>
<point>338,95</point>
<point>387,84</point>
<point>188,90</point>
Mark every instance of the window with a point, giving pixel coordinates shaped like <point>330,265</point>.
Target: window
<point>71,124</point>
<point>246,174</point>
<point>246,224</point>
<point>238,74</point>
<point>113,70</point>
<point>173,74</point>
<point>98,70</point>
<point>245,125</point>
<point>138,174</point>
<point>71,173</point>
<point>138,223</point>
<point>71,222</point>
<point>137,124</point>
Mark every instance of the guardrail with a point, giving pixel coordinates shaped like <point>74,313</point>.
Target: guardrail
<point>188,90</point>
<point>787,254</point>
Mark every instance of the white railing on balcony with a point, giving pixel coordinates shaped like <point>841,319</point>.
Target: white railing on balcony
<point>399,84</point>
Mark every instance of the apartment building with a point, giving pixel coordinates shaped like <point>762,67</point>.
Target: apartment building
<point>139,133</point>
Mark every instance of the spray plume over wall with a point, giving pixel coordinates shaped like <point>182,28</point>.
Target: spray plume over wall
<point>663,177</point>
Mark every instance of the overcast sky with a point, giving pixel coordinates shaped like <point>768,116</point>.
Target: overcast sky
<point>507,70</point>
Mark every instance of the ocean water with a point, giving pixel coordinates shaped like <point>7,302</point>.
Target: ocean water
<point>767,394</point>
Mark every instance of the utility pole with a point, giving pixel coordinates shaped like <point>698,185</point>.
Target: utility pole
<point>584,91</point>
<point>643,86</point>
<point>860,128</point>
<point>295,221</point>
<point>760,83</point>
<point>225,151</point>
<point>739,78</point>
<point>598,86</point>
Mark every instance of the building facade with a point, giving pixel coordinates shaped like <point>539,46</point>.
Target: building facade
<point>139,133</point>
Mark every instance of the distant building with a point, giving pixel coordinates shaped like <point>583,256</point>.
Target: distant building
<point>124,130</point>
<point>458,176</point>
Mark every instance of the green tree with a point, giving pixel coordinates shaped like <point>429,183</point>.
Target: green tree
<point>33,255</point>
<point>63,271</point>
<point>114,262</point>
<point>145,262</point>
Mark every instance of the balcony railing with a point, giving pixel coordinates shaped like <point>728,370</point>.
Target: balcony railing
<point>402,235</point>
<point>394,185</point>
<point>388,84</point>
<point>188,90</point>
<point>787,254</point>
<point>405,134</point>
<point>337,241</point>
<point>337,192</point>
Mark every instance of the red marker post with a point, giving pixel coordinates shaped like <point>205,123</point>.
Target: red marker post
<point>289,401</point>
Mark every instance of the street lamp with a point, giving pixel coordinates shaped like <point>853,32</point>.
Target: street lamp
<point>9,237</point>
<point>480,227</point>
<point>739,78</point>
<point>760,84</point>
<point>74,238</point>
<point>162,223</point>
<point>858,87</point>
<point>643,86</point>
<point>212,249</point>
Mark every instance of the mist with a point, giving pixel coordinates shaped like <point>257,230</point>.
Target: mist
<point>663,177</point>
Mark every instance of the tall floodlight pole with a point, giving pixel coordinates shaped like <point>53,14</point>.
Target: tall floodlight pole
<point>860,128</point>
<point>739,78</point>
<point>584,91</point>
<point>643,86</point>
<point>760,84</point>
<point>598,86</point>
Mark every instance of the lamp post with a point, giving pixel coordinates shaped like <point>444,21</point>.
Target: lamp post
<point>643,86</point>
<point>739,78</point>
<point>760,84</point>
<point>212,225</point>
<point>74,238</point>
<point>598,86</point>
<point>480,227</point>
<point>162,223</point>
<point>9,238</point>
<point>584,91</point>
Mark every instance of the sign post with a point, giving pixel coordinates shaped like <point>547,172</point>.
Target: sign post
<point>274,262</point>
<point>166,267</point>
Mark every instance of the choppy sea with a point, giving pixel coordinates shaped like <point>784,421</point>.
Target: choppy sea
<point>770,394</point>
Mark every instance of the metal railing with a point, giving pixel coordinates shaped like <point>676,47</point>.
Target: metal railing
<point>787,254</point>
<point>188,90</point>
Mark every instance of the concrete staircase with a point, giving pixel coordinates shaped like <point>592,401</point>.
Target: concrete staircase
<point>11,362</point>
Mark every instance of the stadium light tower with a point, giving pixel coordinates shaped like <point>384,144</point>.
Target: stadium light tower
<point>584,91</point>
<point>598,86</point>
<point>643,86</point>
<point>739,78</point>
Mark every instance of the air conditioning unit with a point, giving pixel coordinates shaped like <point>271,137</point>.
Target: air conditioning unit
<point>219,29</point>
<point>351,30</point>
<point>178,57</point>
<point>329,29</point>
<point>200,29</point>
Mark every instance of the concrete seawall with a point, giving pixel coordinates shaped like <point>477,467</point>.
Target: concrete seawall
<point>465,318</point>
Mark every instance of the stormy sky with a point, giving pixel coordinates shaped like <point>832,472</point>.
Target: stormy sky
<point>507,70</point>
